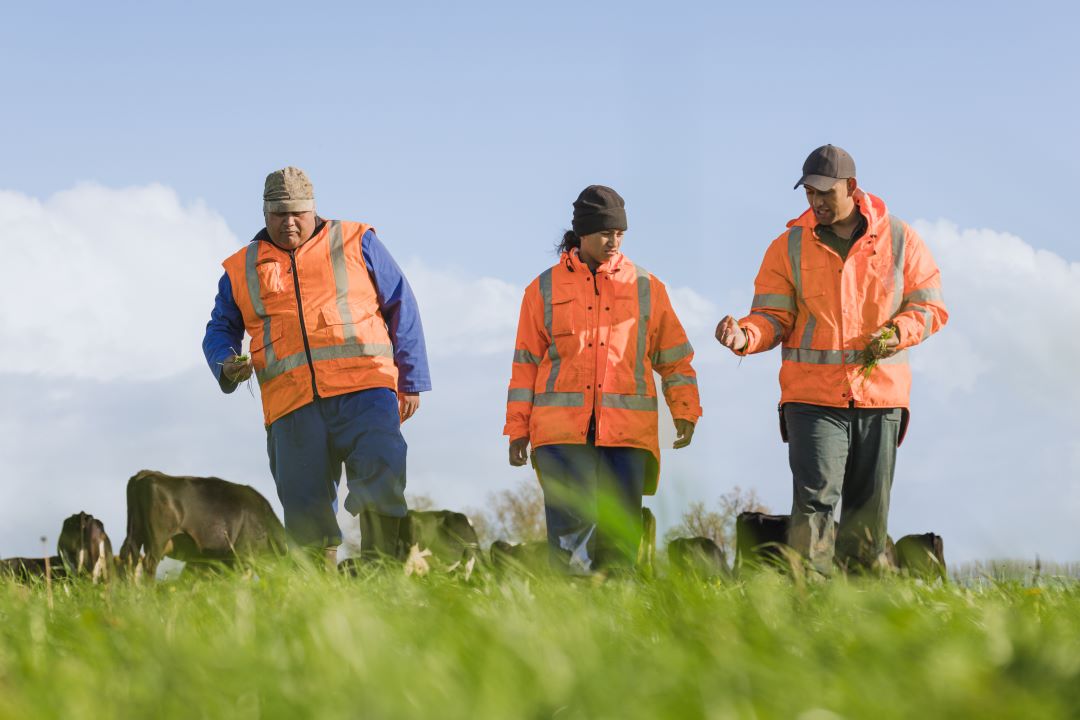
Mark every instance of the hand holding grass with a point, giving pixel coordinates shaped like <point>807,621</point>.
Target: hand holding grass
<point>237,369</point>
<point>883,344</point>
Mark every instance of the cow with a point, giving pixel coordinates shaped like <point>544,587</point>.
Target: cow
<point>84,546</point>
<point>196,519</point>
<point>698,557</point>
<point>26,569</point>
<point>426,538</point>
<point>448,535</point>
<point>760,539</point>
<point>922,556</point>
<point>530,557</point>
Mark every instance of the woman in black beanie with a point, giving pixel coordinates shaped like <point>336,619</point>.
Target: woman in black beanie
<point>592,330</point>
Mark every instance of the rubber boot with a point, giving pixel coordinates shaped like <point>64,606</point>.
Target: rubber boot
<point>379,536</point>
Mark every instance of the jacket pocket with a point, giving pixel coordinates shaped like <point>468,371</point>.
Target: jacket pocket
<point>271,277</point>
<point>261,345</point>
<point>562,318</point>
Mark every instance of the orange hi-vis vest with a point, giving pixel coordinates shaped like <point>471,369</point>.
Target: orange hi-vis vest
<point>587,347</point>
<point>824,309</point>
<point>314,319</point>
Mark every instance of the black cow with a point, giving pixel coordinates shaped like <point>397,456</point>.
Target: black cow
<point>698,557</point>
<point>530,557</point>
<point>760,539</point>
<point>84,546</point>
<point>196,519</point>
<point>448,535</point>
<point>922,556</point>
<point>27,569</point>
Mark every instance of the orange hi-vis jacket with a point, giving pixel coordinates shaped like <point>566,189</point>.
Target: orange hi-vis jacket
<point>824,309</point>
<point>587,346</point>
<point>314,319</point>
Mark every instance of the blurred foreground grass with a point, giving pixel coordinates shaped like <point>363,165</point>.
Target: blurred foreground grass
<point>295,643</point>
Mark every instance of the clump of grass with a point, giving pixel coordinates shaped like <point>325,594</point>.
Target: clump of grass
<point>875,350</point>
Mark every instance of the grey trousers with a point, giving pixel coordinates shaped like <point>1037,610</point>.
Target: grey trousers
<point>840,455</point>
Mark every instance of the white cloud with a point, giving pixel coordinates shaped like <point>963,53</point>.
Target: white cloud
<point>464,315</point>
<point>107,283</point>
<point>1014,314</point>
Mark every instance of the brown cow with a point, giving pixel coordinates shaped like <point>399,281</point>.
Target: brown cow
<point>84,546</point>
<point>196,519</point>
<point>922,556</point>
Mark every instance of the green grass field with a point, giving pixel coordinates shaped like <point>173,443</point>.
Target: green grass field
<point>296,643</point>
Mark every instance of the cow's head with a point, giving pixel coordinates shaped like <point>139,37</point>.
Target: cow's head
<point>84,547</point>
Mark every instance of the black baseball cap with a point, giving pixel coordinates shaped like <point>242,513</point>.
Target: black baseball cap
<point>825,166</point>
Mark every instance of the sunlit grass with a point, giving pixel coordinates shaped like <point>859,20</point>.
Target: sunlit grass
<point>292,642</point>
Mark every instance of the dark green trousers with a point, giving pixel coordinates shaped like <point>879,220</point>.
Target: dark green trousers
<point>843,456</point>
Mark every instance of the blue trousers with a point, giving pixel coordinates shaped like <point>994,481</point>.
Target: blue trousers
<point>592,503</point>
<point>307,448</point>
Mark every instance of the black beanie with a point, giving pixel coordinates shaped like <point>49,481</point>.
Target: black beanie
<point>598,208</point>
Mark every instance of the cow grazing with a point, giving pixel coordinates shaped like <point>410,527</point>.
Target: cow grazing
<point>697,557</point>
<point>84,546</point>
<point>196,519</point>
<point>530,557</point>
<point>760,539</point>
<point>27,569</point>
<point>448,535</point>
<point>921,556</point>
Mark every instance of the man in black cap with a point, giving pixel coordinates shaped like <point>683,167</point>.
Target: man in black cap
<point>847,289</point>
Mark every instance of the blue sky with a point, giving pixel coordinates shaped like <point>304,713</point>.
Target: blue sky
<point>463,132</point>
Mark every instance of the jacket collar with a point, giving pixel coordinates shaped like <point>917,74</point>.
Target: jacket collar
<point>871,206</point>
<point>573,262</point>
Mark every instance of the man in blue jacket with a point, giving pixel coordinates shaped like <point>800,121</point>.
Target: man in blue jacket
<point>340,358</point>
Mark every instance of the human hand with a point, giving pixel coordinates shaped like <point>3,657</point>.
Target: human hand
<point>730,335</point>
<point>408,404</point>
<point>884,342</point>
<point>237,369</point>
<point>684,433</point>
<point>519,451</point>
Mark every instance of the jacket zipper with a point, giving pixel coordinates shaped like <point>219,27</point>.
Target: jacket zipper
<point>303,328</point>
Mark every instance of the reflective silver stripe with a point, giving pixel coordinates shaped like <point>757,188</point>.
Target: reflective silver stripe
<point>929,327</point>
<point>519,395</point>
<point>341,352</point>
<point>333,352</point>
<point>794,251</point>
<point>251,275</point>
<point>341,280</point>
<point>524,356</point>
<point>924,295</point>
<point>553,351</point>
<point>819,357</point>
<point>675,380</point>
<point>282,366</point>
<point>896,227</point>
<point>808,331</point>
<point>559,399</point>
<point>644,294</point>
<point>774,301</point>
<point>836,357</point>
<point>665,357</point>
<point>778,329</point>
<point>629,402</point>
